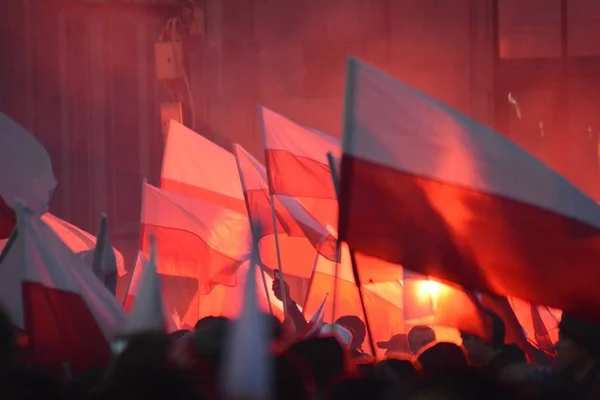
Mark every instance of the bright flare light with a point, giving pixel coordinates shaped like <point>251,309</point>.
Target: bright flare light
<point>429,289</point>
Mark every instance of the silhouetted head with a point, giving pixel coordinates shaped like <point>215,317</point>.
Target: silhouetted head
<point>441,357</point>
<point>420,336</point>
<point>356,326</point>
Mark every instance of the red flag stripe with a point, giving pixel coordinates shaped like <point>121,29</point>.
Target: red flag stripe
<point>77,340</point>
<point>413,214</point>
<point>183,253</point>
<point>311,178</point>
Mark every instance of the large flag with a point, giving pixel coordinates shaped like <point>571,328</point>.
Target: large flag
<point>201,245</point>
<point>291,218</point>
<point>428,188</point>
<point>195,167</point>
<point>55,298</point>
<point>298,168</point>
<point>26,173</point>
<point>296,160</point>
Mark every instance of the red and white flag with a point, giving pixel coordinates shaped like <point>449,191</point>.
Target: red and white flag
<point>195,167</point>
<point>66,312</point>
<point>26,173</point>
<point>428,188</point>
<point>291,219</point>
<point>298,168</point>
<point>201,245</point>
<point>297,165</point>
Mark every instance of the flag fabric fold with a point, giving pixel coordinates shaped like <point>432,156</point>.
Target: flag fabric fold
<point>67,314</point>
<point>428,188</point>
<point>195,167</point>
<point>201,245</point>
<point>297,165</point>
<point>291,218</point>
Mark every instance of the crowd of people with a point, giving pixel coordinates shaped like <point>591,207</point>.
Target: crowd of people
<point>187,364</point>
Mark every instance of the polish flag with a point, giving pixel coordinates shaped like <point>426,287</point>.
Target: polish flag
<point>26,173</point>
<point>195,167</point>
<point>297,165</point>
<point>201,245</point>
<point>428,188</point>
<point>292,221</point>
<point>55,298</point>
<point>298,168</point>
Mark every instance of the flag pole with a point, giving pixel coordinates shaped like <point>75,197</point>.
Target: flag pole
<point>273,217</point>
<point>261,266</point>
<point>141,241</point>
<point>357,281</point>
<point>338,243</point>
<point>278,252</point>
<point>310,282</point>
<point>99,249</point>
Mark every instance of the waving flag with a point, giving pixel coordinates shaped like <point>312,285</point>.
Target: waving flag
<point>296,160</point>
<point>428,188</point>
<point>201,245</point>
<point>298,167</point>
<point>291,218</point>
<point>195,167</point>
<point>54,297</point>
